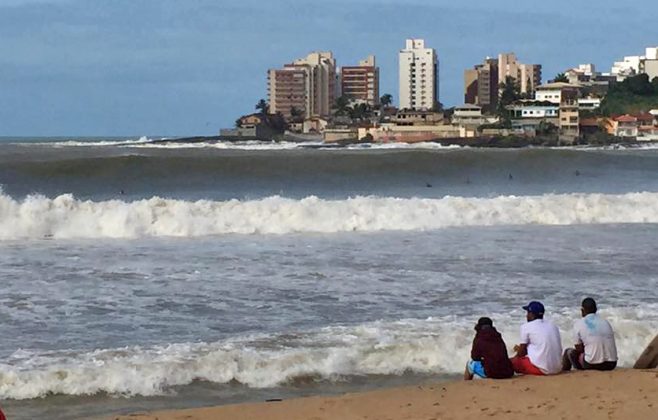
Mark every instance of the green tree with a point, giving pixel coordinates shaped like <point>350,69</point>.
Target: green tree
<point>509,93</point>
<point>561,77</point>
<point>263,106</point>
<point>360,111</point>
<point>634,94</point>
<point>638,85</point>
<point>386,100</point>
<point>238,123</point>
<point>546,128</point>
<point>277,122</point>
<point>438,107</point>
<point>296,114</point>
<point>341,106</point>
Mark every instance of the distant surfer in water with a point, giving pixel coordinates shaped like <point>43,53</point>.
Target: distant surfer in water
<point>489,354</point>
<point>595,347</point>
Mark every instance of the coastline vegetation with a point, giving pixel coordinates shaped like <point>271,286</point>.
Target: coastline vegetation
<point>634,95</point>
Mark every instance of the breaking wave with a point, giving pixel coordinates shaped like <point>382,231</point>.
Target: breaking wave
<point>66,217</point>
<point>437,346</point>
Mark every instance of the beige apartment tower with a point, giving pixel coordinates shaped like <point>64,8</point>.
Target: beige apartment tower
<point>306,87</point>
<point>419,76</point>
<point>481,85</point>
<point>528,76</point>
<point>361,83</point>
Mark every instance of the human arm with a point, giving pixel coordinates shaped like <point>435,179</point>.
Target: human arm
<point>578,339</point>
<point>476,351</point>
<point>521,349</point>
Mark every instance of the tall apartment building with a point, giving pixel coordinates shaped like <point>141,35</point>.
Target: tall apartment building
<point>650,63</point>
<point>361,83</point>
<point>481,85</point>
<point>307,85</point>
<point>419,76</point>
<point>528,76</point>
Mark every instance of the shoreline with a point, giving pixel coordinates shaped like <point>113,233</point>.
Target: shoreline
<point>621,394</point>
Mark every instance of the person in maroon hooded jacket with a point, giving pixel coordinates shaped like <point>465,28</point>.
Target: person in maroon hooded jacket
<point>489,357</point>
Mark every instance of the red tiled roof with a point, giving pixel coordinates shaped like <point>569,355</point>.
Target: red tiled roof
<point>589,122</point>
<point>643,116</point>
<point>626,118</point>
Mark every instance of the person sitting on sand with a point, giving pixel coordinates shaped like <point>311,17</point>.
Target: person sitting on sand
<point>489,354</point>
<point>540,350</point>
<point>595,342</point>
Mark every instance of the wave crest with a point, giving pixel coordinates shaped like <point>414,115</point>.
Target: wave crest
<point>439,346</point>
<point>66,217</point>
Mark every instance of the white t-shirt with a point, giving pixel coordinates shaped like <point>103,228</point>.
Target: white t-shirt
<point>544,345</point>
<point>596,335</point>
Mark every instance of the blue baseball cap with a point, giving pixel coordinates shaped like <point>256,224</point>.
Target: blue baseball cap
<point>534,307</point>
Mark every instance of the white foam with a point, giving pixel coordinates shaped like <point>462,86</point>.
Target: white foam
<point>102,143</point>
<point>437,346</point>
<point>65,217</point>
<point>251,145</point>
<point>412,146</point>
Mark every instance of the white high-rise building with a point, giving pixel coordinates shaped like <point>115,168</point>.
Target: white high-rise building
<point>419,76</point>
<point>630,66</point>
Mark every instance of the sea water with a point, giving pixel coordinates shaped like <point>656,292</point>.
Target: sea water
<point>145,275</point>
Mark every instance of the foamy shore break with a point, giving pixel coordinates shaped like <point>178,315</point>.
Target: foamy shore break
<point>621,394</point>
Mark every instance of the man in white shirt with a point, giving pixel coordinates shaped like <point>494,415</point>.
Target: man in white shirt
<point>595,342</point>
<point>540,349</point>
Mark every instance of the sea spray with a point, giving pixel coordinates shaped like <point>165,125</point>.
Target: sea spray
<point>437,346</point>
<point>67,217</point>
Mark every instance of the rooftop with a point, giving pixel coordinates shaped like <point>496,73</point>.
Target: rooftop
<point>557,85</point>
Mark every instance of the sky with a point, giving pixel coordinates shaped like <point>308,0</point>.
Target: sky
<point>190,67</point>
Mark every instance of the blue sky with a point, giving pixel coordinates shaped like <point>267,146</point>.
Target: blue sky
<point>174,67</point>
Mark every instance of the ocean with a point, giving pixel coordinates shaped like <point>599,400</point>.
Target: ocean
<point>141,275</point>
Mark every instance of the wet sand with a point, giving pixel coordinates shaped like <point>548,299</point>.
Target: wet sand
<point>622,394</point>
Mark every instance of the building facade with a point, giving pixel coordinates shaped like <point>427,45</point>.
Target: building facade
<point>419,76</point>
<point>481,85</point>
<point>361,83</point>
<point>629,66</point>
<point>305,88</point>
<point>650,67</point>
<point>569,115</point>
<point>552,92</point>
<point>527,76</point>
<point>637,64</point>
<point>289,91</point>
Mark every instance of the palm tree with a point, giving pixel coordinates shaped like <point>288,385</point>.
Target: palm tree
<point>341,106</point>
<point>263,106</point>
<point>360,111</point>
<point>386,100</point>
<point>296,115</point>
<point>561,77</point>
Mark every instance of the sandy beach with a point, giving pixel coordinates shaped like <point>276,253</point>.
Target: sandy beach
<point>623,394</point>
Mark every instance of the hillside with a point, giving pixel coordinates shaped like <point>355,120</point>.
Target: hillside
<point>633,95</point>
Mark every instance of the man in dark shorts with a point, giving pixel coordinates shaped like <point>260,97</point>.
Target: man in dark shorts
<point>595,342</point>
<point>489,354</point>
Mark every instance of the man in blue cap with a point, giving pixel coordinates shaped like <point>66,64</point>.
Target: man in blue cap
<point>540,349</point>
